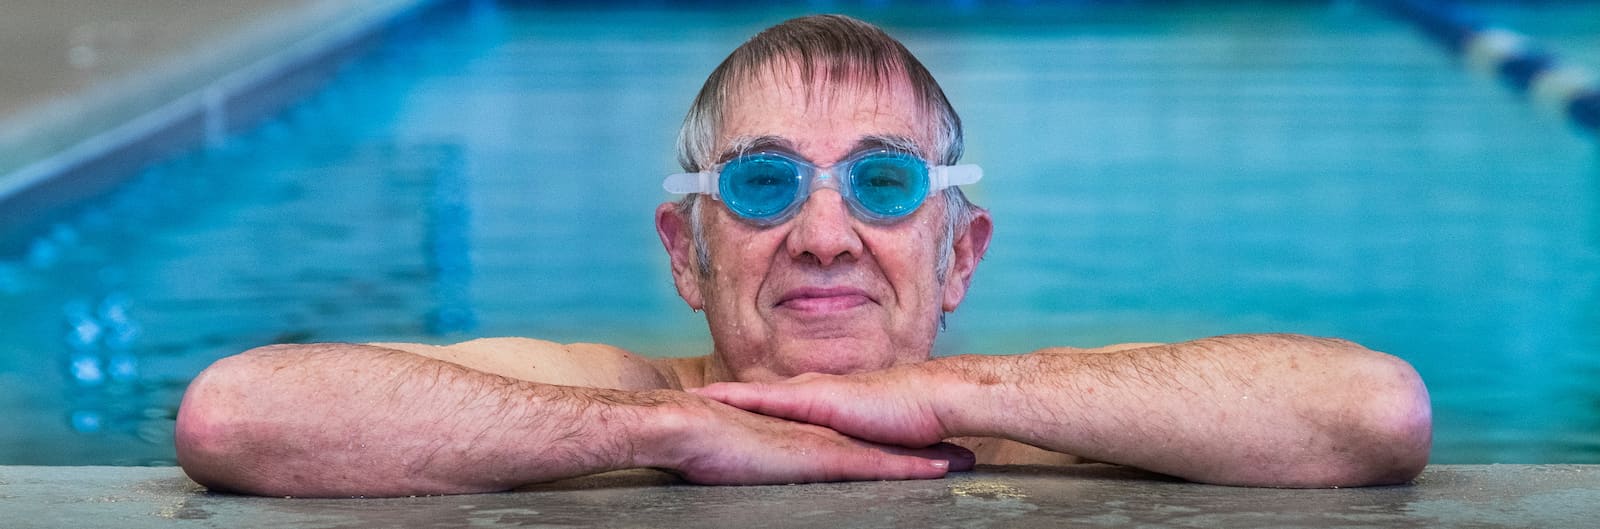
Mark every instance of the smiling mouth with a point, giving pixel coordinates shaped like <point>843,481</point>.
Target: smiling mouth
<point>823,300</point>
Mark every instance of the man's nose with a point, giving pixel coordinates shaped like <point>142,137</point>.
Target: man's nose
<point>824,230</point>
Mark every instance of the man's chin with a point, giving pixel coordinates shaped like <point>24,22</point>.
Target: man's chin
<point>831,356</point>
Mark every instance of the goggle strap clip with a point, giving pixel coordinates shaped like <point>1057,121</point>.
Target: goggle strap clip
<point>703,182</point>
<point>943,176</point>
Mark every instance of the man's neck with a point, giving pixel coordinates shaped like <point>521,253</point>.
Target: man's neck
<point>694,371</point>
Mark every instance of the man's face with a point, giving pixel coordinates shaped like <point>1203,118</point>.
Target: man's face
<point>823,291</point>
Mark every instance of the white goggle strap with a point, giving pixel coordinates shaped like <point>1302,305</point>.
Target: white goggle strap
<point>704,182</point>
<point>943,176</point>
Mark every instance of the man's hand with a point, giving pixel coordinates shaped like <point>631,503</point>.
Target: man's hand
<point>895,406</point>
<point>1254,410</point>
<point>713,443</point>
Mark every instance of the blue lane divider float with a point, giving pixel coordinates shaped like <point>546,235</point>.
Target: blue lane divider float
<point>1536,73</point>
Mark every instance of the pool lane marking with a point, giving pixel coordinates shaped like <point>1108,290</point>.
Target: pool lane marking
<point>1559,89</point>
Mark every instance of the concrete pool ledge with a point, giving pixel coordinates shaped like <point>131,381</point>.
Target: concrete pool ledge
<point>1479,496</point>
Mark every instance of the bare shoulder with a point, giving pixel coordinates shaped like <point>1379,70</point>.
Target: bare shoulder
<point>543,361</point>
<point>997,451</point>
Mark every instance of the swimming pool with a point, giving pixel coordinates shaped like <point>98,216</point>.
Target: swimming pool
<point>1155,174</point>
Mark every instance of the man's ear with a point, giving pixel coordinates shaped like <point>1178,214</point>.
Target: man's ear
<point>673,227</point>
<point>970,246</point>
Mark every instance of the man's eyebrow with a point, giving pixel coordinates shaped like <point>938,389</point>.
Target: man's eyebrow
<point>887,141</point>
<point>742,145</point>
<point>745,144</point>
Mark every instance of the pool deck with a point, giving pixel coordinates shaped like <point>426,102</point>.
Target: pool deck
<point>1084,496</point>
<point>90,89</point>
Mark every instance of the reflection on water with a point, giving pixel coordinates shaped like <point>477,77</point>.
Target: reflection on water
<point>99,359</point>
<point>105,394</point>
<point>100,341</point>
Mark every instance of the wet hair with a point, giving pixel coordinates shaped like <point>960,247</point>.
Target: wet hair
<point>837,51</point>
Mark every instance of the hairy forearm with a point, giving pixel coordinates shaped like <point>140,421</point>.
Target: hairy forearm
<point>1269,410</point>
<point>344,419</point>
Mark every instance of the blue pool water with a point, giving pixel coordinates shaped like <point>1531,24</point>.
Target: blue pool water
<point>1155,175</point>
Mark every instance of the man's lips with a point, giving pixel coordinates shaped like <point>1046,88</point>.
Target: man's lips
<point>823,299</point>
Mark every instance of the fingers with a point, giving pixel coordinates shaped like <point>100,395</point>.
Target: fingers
<point>811,398</point>
<point>808,459</point>
<point>757,449</point>
<point>881,415</point>
<point>775,401</point>
<point>889,468</point>
<point>871,461</point>
<point>882,466</point>
<point>751,397</point>
<point>959,458</point>
<point>732,394</point>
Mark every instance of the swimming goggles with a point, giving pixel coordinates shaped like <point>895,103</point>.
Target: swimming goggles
<point>767,188</point>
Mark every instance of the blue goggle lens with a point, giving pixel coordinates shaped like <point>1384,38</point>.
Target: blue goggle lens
<point>760,186</point>
<point>889,185</point>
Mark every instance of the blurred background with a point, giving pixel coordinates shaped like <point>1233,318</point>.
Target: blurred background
<point>181,181</point>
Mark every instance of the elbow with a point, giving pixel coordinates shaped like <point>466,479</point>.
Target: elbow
<point>1387,431</point>
<point>211,435</point>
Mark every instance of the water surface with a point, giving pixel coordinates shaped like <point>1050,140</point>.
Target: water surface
<point>1155,175</point>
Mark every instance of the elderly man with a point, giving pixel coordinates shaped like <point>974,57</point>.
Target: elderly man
<point>824,238</point>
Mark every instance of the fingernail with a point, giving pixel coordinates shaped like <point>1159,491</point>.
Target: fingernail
<point>940,464</point>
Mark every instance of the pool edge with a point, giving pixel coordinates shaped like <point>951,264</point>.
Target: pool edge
<point>201,111</point>
<point>1480,496</point>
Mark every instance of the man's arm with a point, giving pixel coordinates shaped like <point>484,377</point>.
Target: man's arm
<point>348,420</point>
<point>1263,410</point>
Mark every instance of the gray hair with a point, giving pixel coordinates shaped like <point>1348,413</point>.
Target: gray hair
<point>846,52</point>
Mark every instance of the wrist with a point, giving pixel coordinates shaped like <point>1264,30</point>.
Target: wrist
<point>970,392</point>
<point>663,430</point>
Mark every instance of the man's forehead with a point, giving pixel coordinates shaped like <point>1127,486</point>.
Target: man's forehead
<point>777,108</point>
<point>746,144</point>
